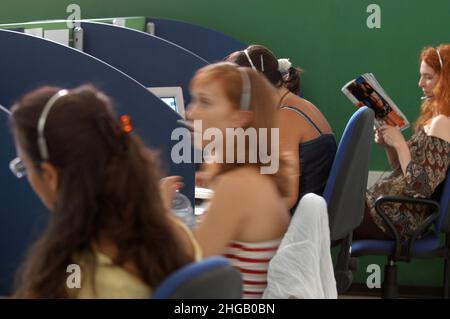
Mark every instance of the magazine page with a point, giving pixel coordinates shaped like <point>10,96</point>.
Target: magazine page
<point>365,90</point>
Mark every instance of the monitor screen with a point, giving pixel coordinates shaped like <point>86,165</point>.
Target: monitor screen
<point>170,101</point>
<point>172,96</point>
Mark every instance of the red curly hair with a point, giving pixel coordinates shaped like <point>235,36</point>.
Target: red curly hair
<point>440,104</point>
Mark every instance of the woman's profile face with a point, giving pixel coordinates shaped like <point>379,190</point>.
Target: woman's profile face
<point>211,106</point>
<point>41,181</point>
<point>428,79</point>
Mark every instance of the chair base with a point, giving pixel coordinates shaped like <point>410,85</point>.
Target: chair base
<point>345,266</point>
<point>446,284</point>
<point>344,280</point>
<point>390,284</point>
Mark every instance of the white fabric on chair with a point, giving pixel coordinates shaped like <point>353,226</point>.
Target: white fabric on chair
<point>302,266</point>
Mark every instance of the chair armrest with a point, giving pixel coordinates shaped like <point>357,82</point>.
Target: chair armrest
<point>420,229</point>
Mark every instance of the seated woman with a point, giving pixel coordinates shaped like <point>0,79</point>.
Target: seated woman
<point>102,185</point>
<point>419,165</point>
<point>306,135</point>
<point>247,217</point>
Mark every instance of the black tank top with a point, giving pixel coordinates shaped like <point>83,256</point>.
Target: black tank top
<point>316,158</point>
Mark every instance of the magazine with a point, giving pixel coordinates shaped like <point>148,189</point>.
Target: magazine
<point>365,90</point>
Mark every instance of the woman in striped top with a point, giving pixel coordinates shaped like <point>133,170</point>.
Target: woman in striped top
<point>247,217</point>
<point>252,259</point>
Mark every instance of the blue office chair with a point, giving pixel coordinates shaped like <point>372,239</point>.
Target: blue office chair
<point>210,278</point>
<point>424,243</point>
<point>345,191</point>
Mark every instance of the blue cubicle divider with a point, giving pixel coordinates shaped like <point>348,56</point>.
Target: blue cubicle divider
<point>27,62</point>
<point>207,43</point>
<point>150,60</point>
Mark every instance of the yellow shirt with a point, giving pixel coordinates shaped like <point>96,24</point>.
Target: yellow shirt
<point>114,282</point>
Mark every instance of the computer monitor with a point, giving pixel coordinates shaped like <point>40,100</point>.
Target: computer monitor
<point>172,96</point>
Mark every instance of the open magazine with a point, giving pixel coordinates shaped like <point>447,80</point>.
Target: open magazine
<point>365,90</point>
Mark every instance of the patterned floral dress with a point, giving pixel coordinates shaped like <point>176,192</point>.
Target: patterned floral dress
<point>430,157</point>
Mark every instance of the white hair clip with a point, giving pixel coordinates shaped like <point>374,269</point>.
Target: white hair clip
<point>284,65</point>
<point>249,60</point>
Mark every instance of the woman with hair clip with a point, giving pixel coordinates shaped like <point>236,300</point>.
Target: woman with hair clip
<point>304,130</point>
<point>246,217</point>
<point>102,185</point>
<point>419,165</point>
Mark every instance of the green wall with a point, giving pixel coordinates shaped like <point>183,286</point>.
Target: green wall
<point>329,39</point>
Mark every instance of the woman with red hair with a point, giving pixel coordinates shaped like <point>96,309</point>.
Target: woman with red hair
<point>419,165</point>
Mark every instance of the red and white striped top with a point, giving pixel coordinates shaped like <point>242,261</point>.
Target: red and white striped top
<point>252,259</point>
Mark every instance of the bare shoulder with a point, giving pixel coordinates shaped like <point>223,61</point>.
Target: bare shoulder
<point>245,173</point>
<point>298,102</point>
<point>242,182</point>
<point>290,121</point>
<point>440,127</point>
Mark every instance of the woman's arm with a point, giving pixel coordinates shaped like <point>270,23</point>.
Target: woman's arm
<point>404,156</point>
<point>393,137</point>
<point>391,153</point>
<point>224,216</point>
<point>167,186</point>
<point>289,145</point>
<point>422,177</point>
<point>392,157</point>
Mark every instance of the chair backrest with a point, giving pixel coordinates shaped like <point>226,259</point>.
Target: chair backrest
<point>211,278</point>
<point>302,268</point>
<point>443,222</point>
<point>345,191</point>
